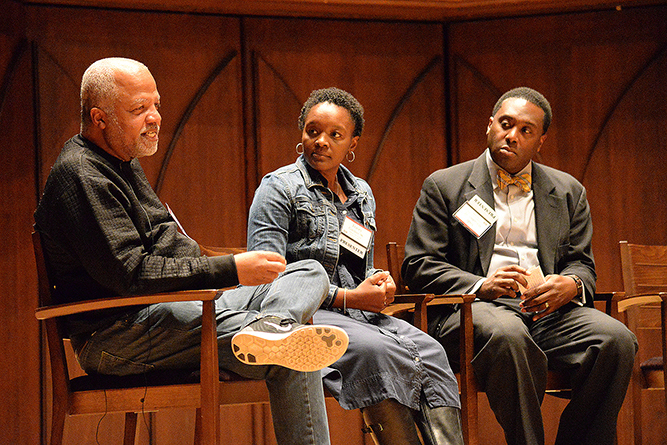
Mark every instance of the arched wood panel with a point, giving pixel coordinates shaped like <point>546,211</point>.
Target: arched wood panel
<point>394,69</point>
<point>20,386</point>
<point>628,167</point>
<point>201,174</point>
<point>602,74</point>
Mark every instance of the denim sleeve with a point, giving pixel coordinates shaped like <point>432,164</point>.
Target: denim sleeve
<point>331,297</point>
<point>269,220</point>
<point>269,216</point>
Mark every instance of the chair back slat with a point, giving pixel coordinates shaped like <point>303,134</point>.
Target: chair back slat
<point>395,255</point>
<point>42,276</point>
<point>644,268</point>
<point>54,329</point>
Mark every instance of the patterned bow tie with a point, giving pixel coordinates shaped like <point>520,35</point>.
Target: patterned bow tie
<point>505,179</point>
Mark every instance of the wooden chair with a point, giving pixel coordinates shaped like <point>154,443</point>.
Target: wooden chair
<point>406,301</point>
<point>645,284</point>
<point>557,382</point>
<point>205,389</point>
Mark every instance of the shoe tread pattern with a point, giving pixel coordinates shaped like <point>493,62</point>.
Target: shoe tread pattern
<point>306,349</point>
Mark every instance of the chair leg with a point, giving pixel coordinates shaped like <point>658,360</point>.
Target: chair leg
<point>663,323</point>
<point>198,427</point>
<point>468,383</point>
<point>58,416</point>
<point>130,428</point>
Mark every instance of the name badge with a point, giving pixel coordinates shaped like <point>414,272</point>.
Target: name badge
<point>355,237</point>
<point>476,216</point>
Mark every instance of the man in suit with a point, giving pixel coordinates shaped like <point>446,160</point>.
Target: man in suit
<point>491,227</point>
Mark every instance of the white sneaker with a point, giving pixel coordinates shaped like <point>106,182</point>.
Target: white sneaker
<point>274,341</point>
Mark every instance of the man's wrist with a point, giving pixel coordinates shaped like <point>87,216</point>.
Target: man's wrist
<point>579,284</point>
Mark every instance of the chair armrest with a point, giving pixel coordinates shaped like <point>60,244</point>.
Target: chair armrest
<point>452,299</point>
<point>608,296</point>
<point>413,298</point>
<point>419,303</point>
<point>611,300</point>
<point>429,299</point>
<point>43,313</point>
<point>219,251</point>
<point>639,299</point>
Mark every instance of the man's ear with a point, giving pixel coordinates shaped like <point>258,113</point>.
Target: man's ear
<point>98,117</point>
<point>542,139</point>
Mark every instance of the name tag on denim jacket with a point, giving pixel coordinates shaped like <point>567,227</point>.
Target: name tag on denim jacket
<point>476,216</point>
<point>355,237</point>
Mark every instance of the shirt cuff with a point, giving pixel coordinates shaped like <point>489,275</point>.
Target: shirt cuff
<point>476,286</point>
<point>223,271</point>
<point>330,298</point>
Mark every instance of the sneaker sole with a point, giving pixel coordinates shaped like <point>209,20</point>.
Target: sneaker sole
<point>306,349</point>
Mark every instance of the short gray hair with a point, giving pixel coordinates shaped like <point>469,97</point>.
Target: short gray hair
<point>99,88</point>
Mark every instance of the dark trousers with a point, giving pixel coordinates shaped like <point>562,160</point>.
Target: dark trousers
<point>513,353</point>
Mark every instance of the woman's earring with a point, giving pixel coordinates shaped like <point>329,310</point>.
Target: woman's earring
<point>353,156</point>
<point>297,148</point>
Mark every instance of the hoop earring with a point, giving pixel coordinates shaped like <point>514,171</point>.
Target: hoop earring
<point>297,148</point>
<point>348,156</point>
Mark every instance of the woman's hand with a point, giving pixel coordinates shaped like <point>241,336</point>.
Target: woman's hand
<point>258,267</point>
<point>373,294</point>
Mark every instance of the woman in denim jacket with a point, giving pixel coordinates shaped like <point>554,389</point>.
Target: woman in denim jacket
<point>317,209</point>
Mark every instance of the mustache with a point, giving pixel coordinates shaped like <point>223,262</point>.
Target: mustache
<point>153,127</point>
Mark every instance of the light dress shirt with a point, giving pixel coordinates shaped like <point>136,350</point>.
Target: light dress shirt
<point>516,232</point>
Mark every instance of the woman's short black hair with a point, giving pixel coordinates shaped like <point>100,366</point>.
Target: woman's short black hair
<point>338,97</point>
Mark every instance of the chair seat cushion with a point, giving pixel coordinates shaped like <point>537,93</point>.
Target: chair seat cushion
<point>654,363</point>
<point>653,372</point>
<point>152,378</point>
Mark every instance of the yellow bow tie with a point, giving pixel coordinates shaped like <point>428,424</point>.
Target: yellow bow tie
<point>505,179</point>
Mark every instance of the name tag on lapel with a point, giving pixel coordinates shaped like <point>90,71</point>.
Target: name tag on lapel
<point>476,216</point>
<point>355,237</point>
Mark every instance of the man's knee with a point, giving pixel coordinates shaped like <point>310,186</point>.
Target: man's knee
<point>509,344</point>
<point>620,341</point>
<point>311,270</point>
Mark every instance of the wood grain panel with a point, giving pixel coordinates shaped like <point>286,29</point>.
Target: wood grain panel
<point>20,386</point>
<point>419,10</point>
<point>203,179</point>
<point>602,71</point>
<point>587,65</point>
<point>604,75</point>
<point>396,72</point>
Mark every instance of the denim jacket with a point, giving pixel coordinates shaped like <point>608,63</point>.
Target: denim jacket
<point>294,215</point>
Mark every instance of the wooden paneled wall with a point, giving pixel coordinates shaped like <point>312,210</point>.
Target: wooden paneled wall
<point>20,384</point>
<point>232,88</point>
<point>605,76</point>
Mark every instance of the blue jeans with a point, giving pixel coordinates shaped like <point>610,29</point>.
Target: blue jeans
<point>168,336</point>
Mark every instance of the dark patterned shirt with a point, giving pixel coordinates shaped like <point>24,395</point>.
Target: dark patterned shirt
<point>106,233</point>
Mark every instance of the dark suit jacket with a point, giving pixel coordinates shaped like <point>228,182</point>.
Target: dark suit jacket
<point>442,256</point>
